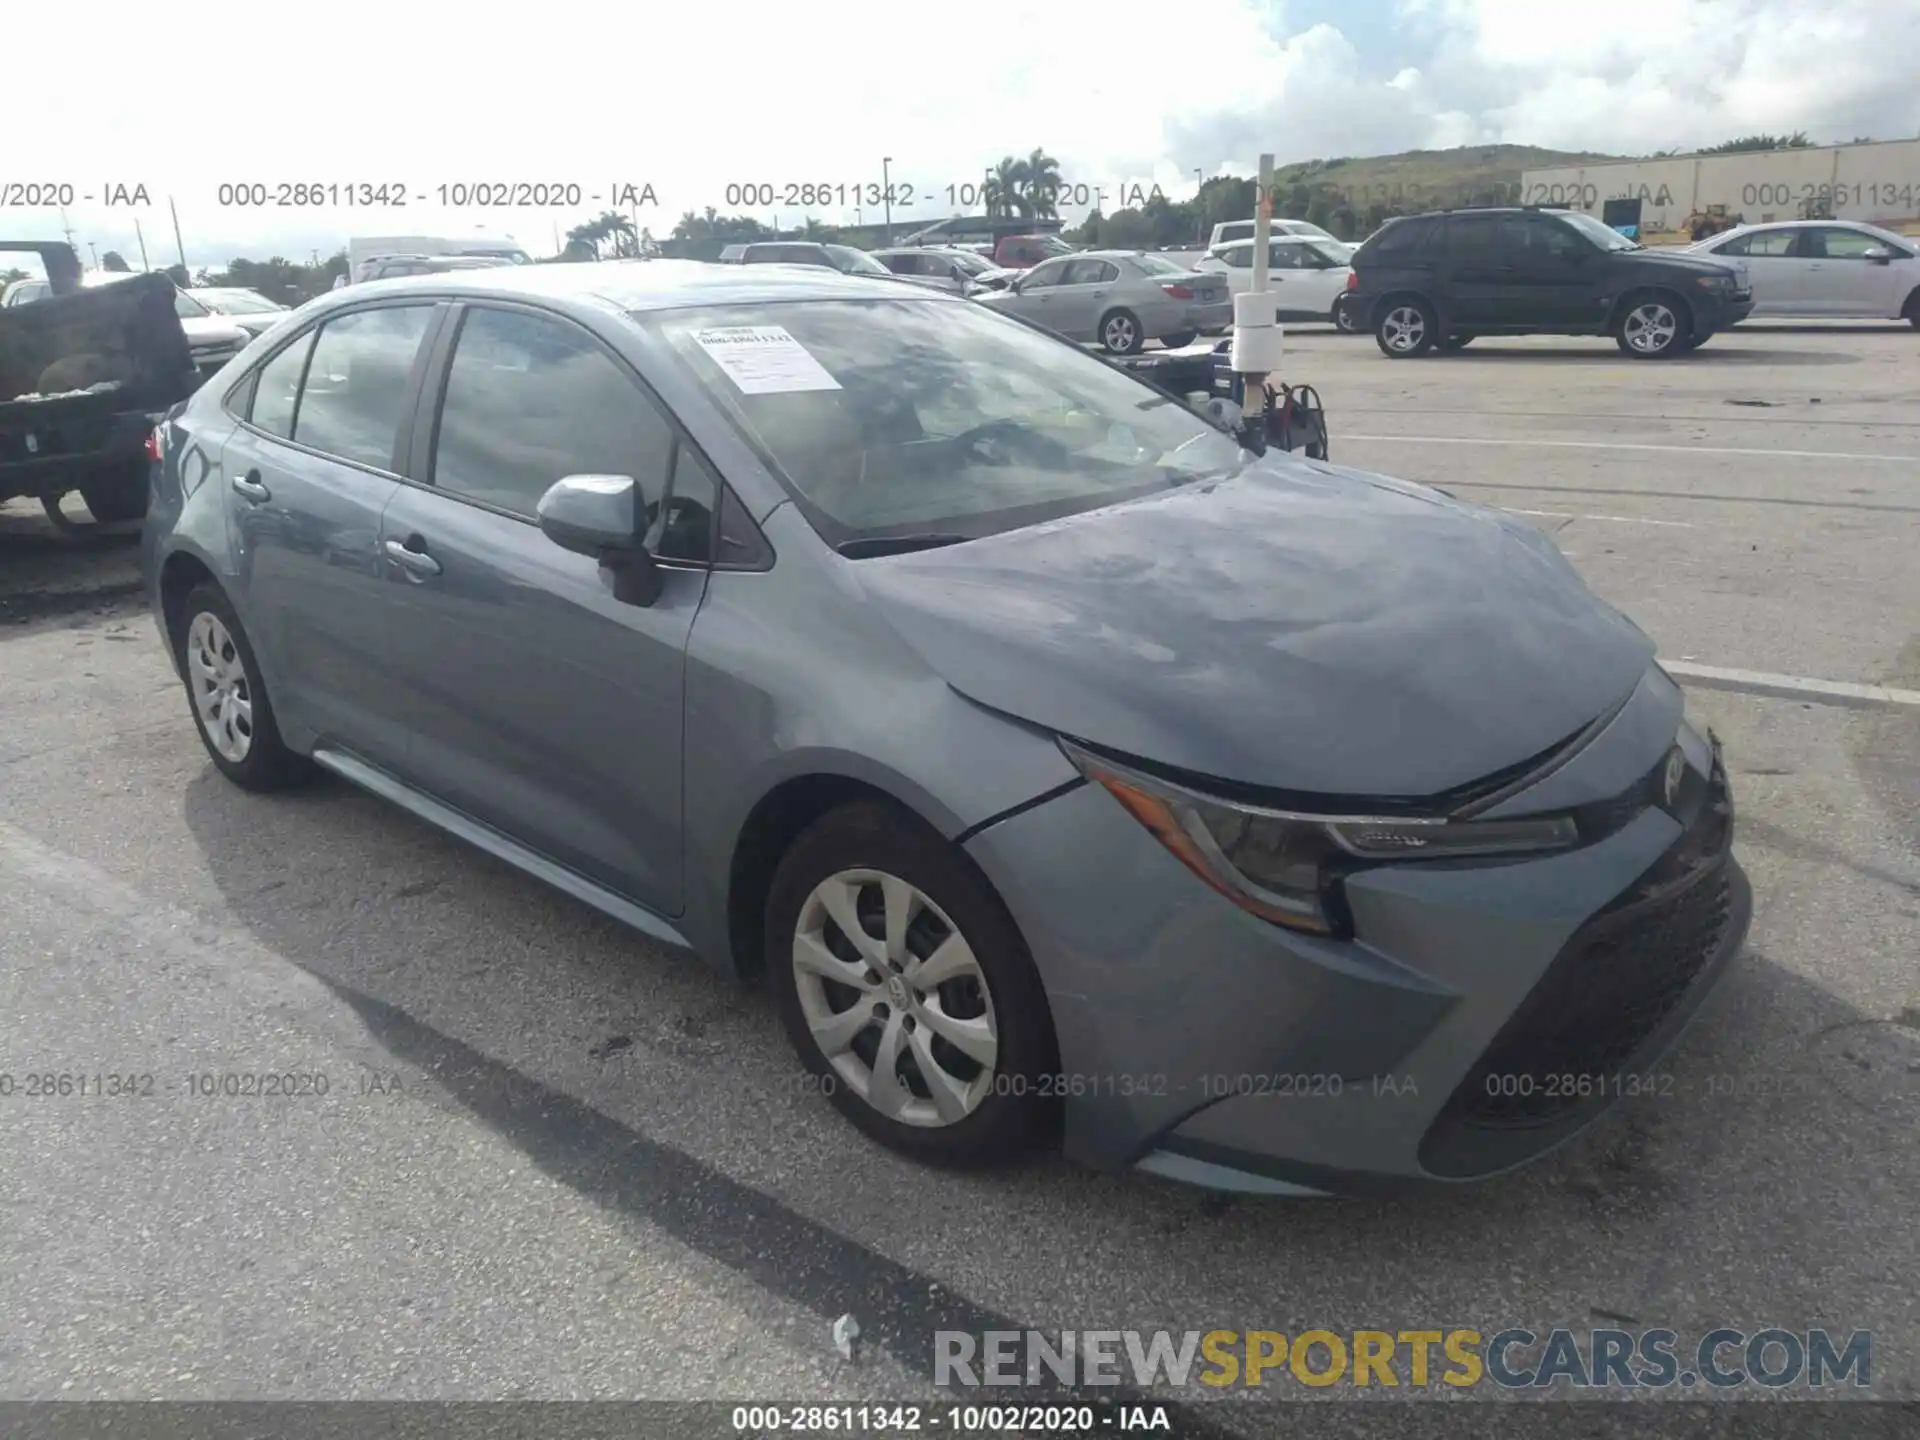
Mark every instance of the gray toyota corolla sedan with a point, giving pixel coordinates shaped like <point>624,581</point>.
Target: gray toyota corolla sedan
<point>1064,770</point>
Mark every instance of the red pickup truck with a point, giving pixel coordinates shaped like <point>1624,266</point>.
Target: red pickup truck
<point>1023,252</point>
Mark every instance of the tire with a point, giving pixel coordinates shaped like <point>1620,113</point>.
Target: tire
<point>119,495</point>
<point>214,656</point>
<point>992,1109</point>
<point>1120,332</point>
<point>1181,340</point>
<point>1653,325</point>
<point>1911,310</point>
<point>1407,328</point>
<point>1454,343</point>
<point>1343,319</point>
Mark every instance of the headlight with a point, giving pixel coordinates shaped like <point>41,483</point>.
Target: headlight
<point>1284,865</point>
<point>1715,282</point>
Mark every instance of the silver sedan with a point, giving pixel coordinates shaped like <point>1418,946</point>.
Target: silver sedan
<point>1121,298</point>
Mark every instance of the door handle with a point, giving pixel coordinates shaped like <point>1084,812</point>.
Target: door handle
<point>411,556</point>
<point>248,486</point>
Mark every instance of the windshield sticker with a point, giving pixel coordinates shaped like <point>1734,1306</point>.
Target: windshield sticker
<point>764,360</point>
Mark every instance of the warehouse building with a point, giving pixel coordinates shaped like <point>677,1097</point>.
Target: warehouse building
<point>1662,199</point>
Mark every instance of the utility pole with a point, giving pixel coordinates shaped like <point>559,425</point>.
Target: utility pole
<point>886,192</point>
<point>94,250</point>
<point>1199,217</point>
<point>179,245</point>
<point>140,235</point>
<point>66,226</point>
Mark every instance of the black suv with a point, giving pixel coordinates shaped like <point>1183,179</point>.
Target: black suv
<point>1443,278</point>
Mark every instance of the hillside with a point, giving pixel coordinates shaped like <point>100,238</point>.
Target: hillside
<point>1439,177</point>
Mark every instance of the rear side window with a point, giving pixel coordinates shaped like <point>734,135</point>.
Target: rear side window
<point>531,400</point>
<point>1402,236</point>
<point>276,389</point>
<point>356,383</point>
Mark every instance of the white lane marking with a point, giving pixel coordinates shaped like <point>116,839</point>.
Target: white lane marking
<point>1615,445</point>
<point>1616,519</point>
<point>1843,693</point>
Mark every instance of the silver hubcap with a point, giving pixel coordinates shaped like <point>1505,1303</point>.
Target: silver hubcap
<point>1404,328</point>
<point>1119,333</point>
<point>895,998</point>
<point>222,693</point>
<point>1343,316</point>
<point>1651,327</point>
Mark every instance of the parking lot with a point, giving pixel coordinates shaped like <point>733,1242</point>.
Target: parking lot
<point>553,1162</point>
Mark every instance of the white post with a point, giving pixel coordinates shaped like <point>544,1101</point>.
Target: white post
<point>1256,331</point>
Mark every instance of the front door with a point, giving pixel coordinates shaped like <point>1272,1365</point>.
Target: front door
<point>1035,300</point>
<point>309,472</point>
<point>1842,281</point>
<point>539,702</point>
<point>1553,277</point>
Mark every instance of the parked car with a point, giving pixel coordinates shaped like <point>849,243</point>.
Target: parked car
<point>1023,252</point>
<point>1309,277</point>
<point>947,269</point>
<point>1121,298</point>
<point>393,267</point>
<point>1824,269</point>
<point>1228,232</point>
<point>248,309</point>
<point>1441,279</point>
<point>843,258</point>
<point>85,370</point>
<point>212,339</point>
<point>1001,714</point>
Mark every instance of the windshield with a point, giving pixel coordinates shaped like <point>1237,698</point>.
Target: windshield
<point>1600,233</point>
<point>1054,245</point>
<point>236,302</point>
<point>1334,252</point>
<point>900,417</point>
<point>972,263</point>
<point>854,262</point>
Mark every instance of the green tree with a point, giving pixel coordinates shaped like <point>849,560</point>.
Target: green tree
<point>1004,189</point>
<point>1040,184</point>
<point>1796,141</point>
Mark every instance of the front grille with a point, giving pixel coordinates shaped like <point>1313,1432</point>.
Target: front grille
<point>1621,975</point>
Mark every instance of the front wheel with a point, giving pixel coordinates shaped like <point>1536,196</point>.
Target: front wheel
<point>1181,340</point>
<point>1120,332</point>
<point>1406,329</point>
<point>908,992</point>
<point>1654,327</point>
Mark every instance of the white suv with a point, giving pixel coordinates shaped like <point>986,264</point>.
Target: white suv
<point>1824,269</point>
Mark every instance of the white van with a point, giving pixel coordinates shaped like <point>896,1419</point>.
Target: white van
<point>364,248</point>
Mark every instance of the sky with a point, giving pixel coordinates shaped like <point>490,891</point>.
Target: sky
<point>691,99</point>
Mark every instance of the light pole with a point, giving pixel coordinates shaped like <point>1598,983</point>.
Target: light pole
<point>1199,216</point>
<point>886,193</point>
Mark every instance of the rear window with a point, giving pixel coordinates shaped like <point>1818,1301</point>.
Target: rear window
<point>1400,236</point>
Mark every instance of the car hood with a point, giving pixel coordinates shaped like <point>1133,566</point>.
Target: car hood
<point>1677,259</point>
<point>1300,627</point>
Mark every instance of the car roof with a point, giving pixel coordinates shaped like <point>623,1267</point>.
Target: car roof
<point>643,285</point>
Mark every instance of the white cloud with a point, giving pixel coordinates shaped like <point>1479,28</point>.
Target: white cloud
<point>689,98</point>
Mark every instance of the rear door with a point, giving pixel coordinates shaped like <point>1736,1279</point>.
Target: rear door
<point>1775,269</point>
<point>537,702</point>
<point>310,468</point>
<point>1083,295</point>
<point>1476,275</point>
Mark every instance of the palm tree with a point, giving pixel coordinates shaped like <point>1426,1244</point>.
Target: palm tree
<point>1004,191</point>
<point>1040,184</point>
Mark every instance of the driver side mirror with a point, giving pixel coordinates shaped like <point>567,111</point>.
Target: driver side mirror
<point>1880,255</point>
<point>599,516</point>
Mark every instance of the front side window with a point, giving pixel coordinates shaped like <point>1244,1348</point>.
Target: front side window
<point>1595,232</point>
<point>892,417</point>
<point>1052,273</point>
<point>1844,244</point>
<point>276,390</point>
<point>356,386</point>
<point>531,400</point>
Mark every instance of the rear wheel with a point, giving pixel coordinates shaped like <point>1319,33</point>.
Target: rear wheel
<point>230,705</point>
<point>1120,332</point>
<point>1654,327</point>
<point>908,991</point>
<point>1407,328</point>
<point>1344,319</point>
<point>119,494</point>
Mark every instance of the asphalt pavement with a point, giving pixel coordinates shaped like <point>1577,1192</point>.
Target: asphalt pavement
<point>552,1162</point>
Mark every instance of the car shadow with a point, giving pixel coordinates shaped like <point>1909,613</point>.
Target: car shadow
<point>1771,1106</point>
<point>1490,351</point>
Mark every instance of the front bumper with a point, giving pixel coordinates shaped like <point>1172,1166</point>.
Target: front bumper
<point>1481,1016</point>
<point>1722,312</point>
